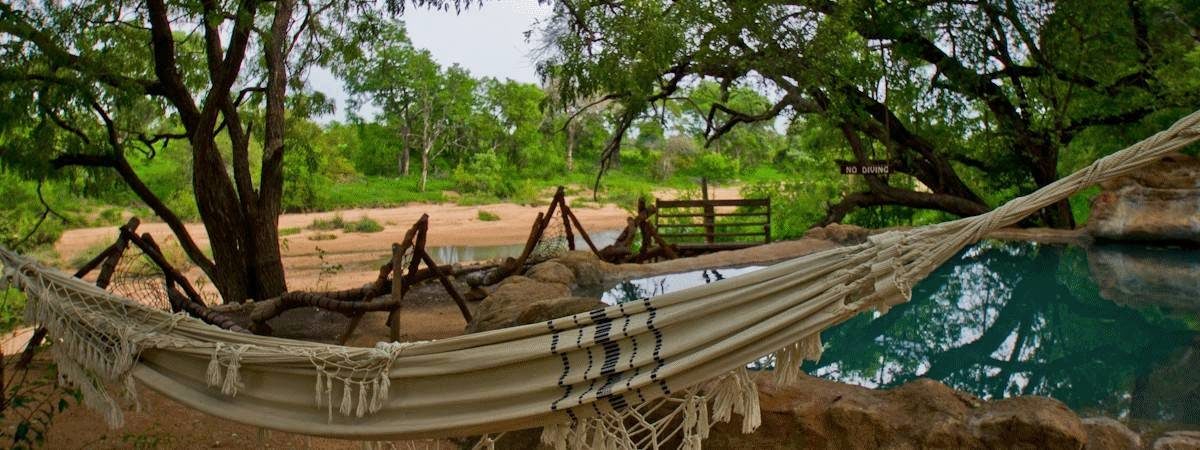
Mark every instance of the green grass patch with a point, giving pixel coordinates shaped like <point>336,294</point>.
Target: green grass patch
<point>363,225</point>
<point>12,309</point>
<point>290,231</point>
<point>86,255</point>
<point>332,223</point>
<point>488,216</point>
<point>378,192</point>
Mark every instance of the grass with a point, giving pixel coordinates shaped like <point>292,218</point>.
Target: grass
<point>337,222</point>
<point>363,225</point>
<point>375,192</point>
<point>333,223</point>
<point>322,237</point>
<point>86,255</point>
<point>488,216</point>
<point>290,231</point>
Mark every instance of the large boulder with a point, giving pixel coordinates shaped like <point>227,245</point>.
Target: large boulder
<point>1178,440</point>
<point>821,414</point>
<point>509,299</point>
<point>589,270</point>
<point>554,308</point>
<point>551,272</point>
<point>1158,203</point>
<point>840,233</point>
<point>1108,434</point>
<point>814,413</point>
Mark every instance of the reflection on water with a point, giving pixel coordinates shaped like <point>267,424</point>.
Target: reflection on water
<point>1008,319</point>
<point>649,287</point>
<point>450,254</point>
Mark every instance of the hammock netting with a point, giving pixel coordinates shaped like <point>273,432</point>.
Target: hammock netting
<point>641,374</point>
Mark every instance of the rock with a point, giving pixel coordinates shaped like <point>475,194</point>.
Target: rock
<point>1138,277</point>
<point>510,298</point>
<point>555,308</point>
<point>1158,203</point>
<point>589,270</point>
<point>1108,434</point>
<point>1029,422</point>
<point>821,414</point>
<point>1178,440</point>
<point>476,294</point>
<point>840,233</point>
<point>551,272</point>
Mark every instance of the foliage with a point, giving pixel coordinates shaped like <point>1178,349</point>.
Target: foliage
<point>362,225</point>
<point>487,216</point>
<point>336,222</point>
<point>971,103</point>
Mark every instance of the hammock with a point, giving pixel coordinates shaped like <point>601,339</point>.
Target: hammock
<point>634,375</point>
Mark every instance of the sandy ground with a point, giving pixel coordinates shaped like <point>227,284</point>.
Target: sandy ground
<point>359,254</point>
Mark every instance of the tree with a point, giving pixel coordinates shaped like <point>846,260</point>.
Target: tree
<point>419,98</point>
<point>91,82</point>
<point>971,102</point>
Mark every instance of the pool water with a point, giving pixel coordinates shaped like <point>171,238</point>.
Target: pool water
<point>1108,330</point>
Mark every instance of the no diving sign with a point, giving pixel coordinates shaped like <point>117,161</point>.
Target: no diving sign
<point>865,168</point>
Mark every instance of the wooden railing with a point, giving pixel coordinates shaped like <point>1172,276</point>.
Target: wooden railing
<point>698,226</point>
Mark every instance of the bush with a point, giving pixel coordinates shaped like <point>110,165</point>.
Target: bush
<point>712,165</point>
<point>333,223</point>
<point>363,225</point>
<point>483,174</point>
<point>487,216</point>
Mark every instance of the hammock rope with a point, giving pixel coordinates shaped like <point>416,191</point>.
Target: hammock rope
<point>650,373</point>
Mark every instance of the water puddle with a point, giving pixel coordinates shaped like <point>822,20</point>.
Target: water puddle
<point>1108,330</point>
<point>450,254</point>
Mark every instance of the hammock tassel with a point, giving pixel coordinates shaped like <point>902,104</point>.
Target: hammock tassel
<point>556,435</point>
<point>233,380</point>
<point>214,367</point>
<point>317,394</point>
<point>362,400</point>
<point>737,393</point>
<point>346,403</point>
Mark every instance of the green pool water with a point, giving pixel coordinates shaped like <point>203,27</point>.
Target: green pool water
<point>1108,330</point>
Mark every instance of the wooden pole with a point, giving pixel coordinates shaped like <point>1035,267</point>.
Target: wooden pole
<point>582,232</point>
<point>566,219</point>
<point>462,304</point>
<point>643,218</point>
<point>146,243</point>
<point>397,293</point>
<point>709,218</point>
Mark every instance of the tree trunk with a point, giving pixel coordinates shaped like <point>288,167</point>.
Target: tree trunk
<point>405,152</point>
<point>424,169</point>
<point>572,129</point>
<point>1045,171</point>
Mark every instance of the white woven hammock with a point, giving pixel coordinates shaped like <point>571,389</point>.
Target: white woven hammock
<point>636,375</point>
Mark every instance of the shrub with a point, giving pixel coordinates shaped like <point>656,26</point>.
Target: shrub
<point>363,225</point>
<point>483,173</point>
<point>333,223</point>
<point>487,216</point>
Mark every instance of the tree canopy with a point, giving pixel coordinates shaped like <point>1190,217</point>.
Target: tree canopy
<point>970,102</point>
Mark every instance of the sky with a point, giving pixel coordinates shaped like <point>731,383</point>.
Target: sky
<point>488,40</point>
